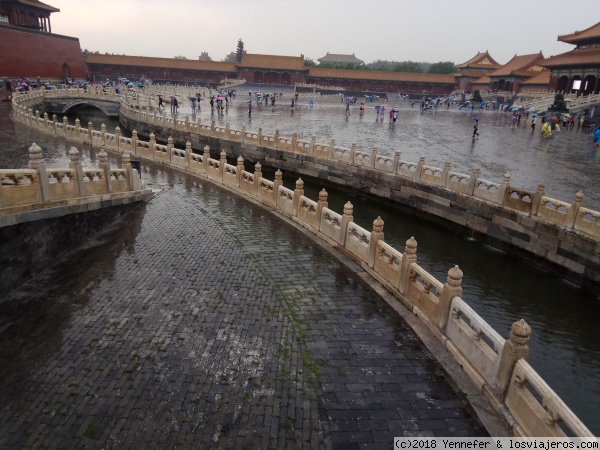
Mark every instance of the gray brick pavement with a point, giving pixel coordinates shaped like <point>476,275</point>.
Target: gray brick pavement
<point>206,322</point>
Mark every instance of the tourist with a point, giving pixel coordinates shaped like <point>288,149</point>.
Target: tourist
<point>362,108</point>
<point>212,103</point>
<point>348,109</point>
<point>476,128</point>
<point>160,102</point>
<point>597,135</point>
<point>193,100</point>
<point>292,103</point>
<point>382,112</point>
<point>311,101</point>
<point>546,130</point>
<point>249,109</point>
<point>533,121</point>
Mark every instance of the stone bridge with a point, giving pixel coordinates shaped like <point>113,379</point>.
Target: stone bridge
<point>64,105</point>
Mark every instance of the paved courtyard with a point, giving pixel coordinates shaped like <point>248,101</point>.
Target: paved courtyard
<point>205,321</point>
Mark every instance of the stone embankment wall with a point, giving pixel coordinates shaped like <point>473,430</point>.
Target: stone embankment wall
<point>497,366</point>
<point>562,236</point>
<point>45,213</point>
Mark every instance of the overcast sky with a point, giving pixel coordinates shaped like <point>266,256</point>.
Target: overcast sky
<point>399,30</point>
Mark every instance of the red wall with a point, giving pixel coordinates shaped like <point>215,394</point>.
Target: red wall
<point>33,54</point>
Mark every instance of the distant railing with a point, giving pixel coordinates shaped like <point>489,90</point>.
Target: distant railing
<point>497,366</point>
<point>500,194</point>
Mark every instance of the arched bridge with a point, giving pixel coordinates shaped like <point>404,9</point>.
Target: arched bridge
<point>64,105</point>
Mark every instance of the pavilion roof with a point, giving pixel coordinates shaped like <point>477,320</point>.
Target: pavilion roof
<point>340,58</point>
<point>542,79</point>
<point>591,33</point>
<point>481,61</point>
<point>576,57</point>
<point>161,63</point>
<point>469,74</point>
<point>483,80</point>
<point>274,62</point>
<point>34,4</point>
<point>519,64</point>
<point>376,75</point>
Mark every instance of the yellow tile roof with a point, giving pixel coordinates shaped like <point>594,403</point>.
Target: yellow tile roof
<point>273,62</point>
<point>481,61</point>
<point>518,63</point>
<point>162,63</point>
<point>374,75</point>
<point>577,57</point>
<point>592,33</point>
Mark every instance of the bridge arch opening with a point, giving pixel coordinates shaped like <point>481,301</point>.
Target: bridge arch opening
<point>84,107</point>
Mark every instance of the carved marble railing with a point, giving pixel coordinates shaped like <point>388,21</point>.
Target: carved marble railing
<point>471,184</point>
<point>39,186</point>
<point>496,366</point>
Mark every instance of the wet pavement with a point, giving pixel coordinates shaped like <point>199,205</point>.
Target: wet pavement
<point>204,321</point>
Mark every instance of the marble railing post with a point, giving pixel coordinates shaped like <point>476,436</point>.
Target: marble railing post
<point>45,120</point>
<point>126,164</point>
<point>257,175</point>
<point>331,148</point>
<point>502,188</point>
<point>395,163</point>
<point>514,348</point>
<point>376,236</point>
<point>212,127</point>
<point>188,152</point>
<point>134,140</point>
<point>352,153</point>
<point>105,167</point>
<point>276,183</point>
<point>419,170</point>
<point>170,148</point>
<point>446,173</point>
<point>75,164</point>
<point>77,127</point>
<point>65,122</point>
<point>206,157</point>
<point>276,139</point>
<point>313,141</point>
<point>152,143</point>
<point>574,210</point>
<point>321,203</point>
<point>54,122</point>
<point>537,198</point>
<point>103,134</point>
<point>243,134</point>
<point>240,169</point>
<point>294,141</point>
<point>373,157</point>
<point>347,217</point>
<point>37,118</point>
<point>297,193</point>
<point>37,163</point>
<point>186,123</point>
<point>259,134</point>
<point>409,257</point>
<point>90,129</point>
<point>118,137</point>
<point>223,161</point>
<point>452,288</point>
<point>475,174</point>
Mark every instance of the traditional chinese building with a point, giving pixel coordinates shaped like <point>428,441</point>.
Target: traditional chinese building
<point>159,69</point>
<point>383,81</point>
<point>334,58</point>
<point>29,49</point>
<point>519,69</point>
<point>273,69</point>
<point>479,66</point>
<point>577,70</point>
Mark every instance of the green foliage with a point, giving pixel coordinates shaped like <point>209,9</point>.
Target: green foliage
<point>442,67</point>
<point>559,103</point>
<point>408,66</point>
<point>308,62</point>
<point>230,58</point>
<point>179,57</point>
<point>239,53</point>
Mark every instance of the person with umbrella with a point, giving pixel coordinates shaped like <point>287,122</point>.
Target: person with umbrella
<point>160,101</point>
<point>533,121</point>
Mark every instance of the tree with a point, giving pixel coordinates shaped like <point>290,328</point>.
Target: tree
<point>308,62</point>
<point>559,103</point>
<point>179,57</point>
<point>239,53</point>
<point>408,66</point>
<point>230,58</point>
<point>442,67</point>
<point>477,96</point>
